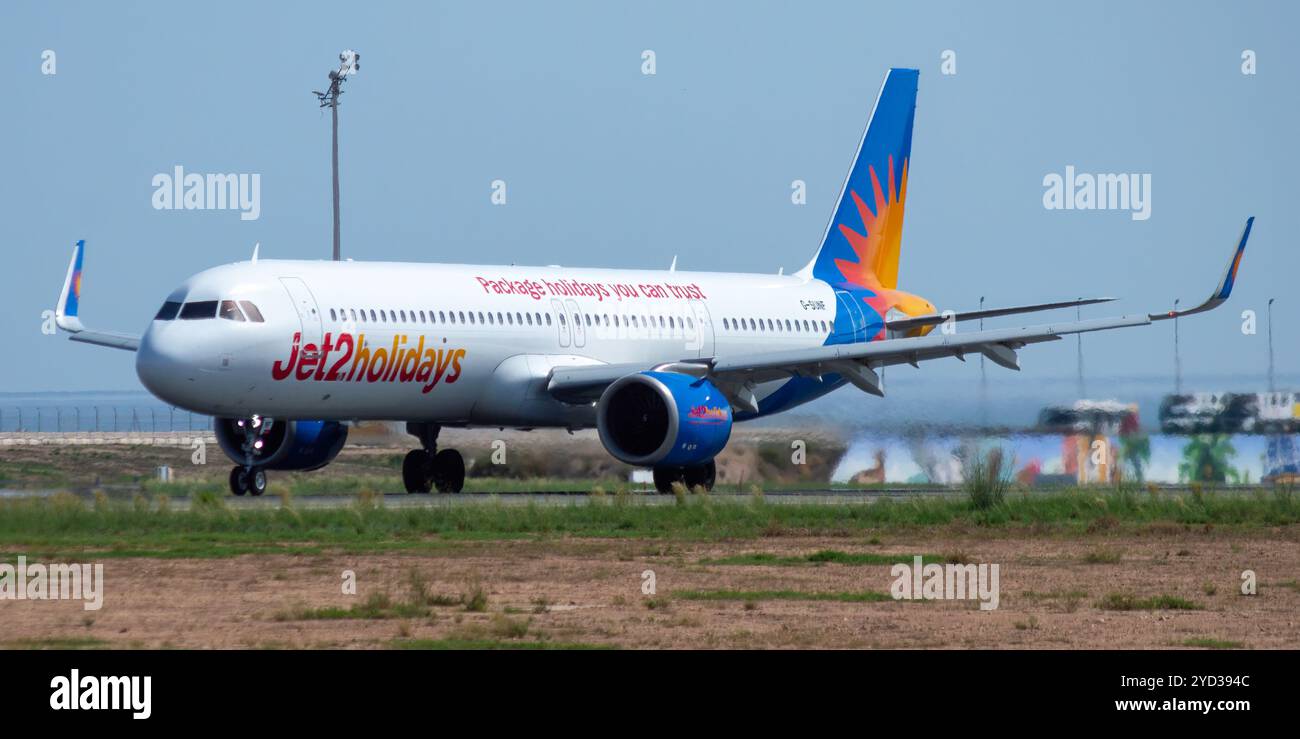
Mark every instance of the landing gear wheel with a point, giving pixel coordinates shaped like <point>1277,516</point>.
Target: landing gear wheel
<point>448,471</point>
<point>257,482</point>
<point>417,471</point>
<point>701,475</point>
<point>665,476</point>
<point>238,481</point>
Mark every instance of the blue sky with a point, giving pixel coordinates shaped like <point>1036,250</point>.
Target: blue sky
<point>609,167</point>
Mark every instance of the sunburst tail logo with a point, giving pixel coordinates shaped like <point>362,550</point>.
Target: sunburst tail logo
<point>861,247</point>
<point>74,283</point>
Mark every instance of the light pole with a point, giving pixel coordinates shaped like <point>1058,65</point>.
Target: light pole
<point>1178,363</point>
<point>984,389</point>
<point>1078,316</point>
<point>1271,387</point>
<point>349,64</point>
<point>981,329</point>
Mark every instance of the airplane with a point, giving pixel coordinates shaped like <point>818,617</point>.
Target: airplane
<point>284,354</point>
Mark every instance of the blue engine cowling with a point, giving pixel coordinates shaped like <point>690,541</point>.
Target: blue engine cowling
<point>663,418</point>
<point>285,445</point>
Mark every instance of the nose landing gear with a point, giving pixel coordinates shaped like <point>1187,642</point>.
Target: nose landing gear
<point>244,480</point>
<point>428,468</point>
<point>249,477</point>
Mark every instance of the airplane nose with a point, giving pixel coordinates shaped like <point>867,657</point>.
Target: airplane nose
<point>162,366</point>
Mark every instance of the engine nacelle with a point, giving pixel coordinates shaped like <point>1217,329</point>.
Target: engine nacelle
<point>663,418</point>
<point>284,445</point>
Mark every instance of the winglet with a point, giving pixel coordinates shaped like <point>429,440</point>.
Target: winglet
<point>65,315</point>
<point>1224,288</point>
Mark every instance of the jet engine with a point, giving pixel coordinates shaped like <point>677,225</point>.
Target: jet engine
<point>280,445</point>
<point>663,419</point>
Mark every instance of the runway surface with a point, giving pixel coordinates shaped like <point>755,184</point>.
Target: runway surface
<point>448,500</point>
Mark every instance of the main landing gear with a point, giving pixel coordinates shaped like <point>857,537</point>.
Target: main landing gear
<point>428,468</point>
<point>691,476</point>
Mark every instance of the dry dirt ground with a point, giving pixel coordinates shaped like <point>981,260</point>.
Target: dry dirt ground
<point>585,591</point>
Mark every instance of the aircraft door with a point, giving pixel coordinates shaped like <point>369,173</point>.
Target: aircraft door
<point>853,322</point>
<point>579,331</point>
<point>308,314</point>
<point>561,323</point>
<point>701,336</point>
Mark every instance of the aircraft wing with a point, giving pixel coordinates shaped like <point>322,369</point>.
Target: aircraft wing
<point>66,314</point>
<point>934,319</point>
<point>857,363</point>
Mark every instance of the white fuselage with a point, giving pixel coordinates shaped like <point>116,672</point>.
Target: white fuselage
<point>454,344</point>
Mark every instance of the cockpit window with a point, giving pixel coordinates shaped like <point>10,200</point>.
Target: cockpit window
<point>198,310</point>
<point>230,311</point>
<point>252,312</point>
<point>168,311</point>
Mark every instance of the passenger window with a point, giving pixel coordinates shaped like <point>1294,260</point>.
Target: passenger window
<point>223,311</point>
<point>548,319</point>
<point>471,317</point>
<point>462,316</point>
<point>199,310</point>
<point>230,311</point>
<point>168,311</point>
<point>251,311</point>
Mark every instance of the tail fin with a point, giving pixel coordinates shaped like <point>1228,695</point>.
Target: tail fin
<point>861,245</point>
<point>65,314</point>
